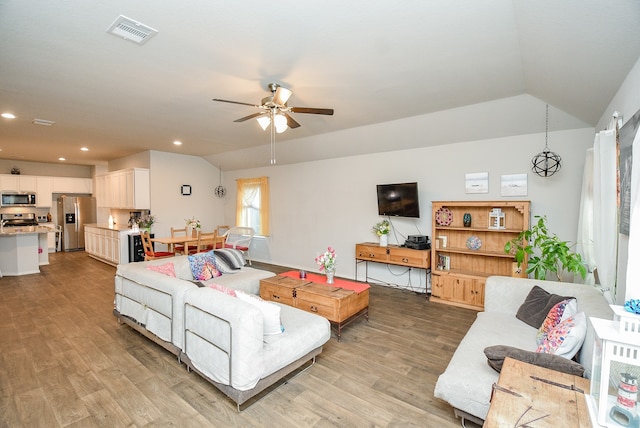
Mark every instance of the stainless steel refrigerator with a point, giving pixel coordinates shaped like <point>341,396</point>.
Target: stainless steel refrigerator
<point>73,213</point>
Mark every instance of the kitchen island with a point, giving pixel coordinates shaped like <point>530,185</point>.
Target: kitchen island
<point>23,250</point>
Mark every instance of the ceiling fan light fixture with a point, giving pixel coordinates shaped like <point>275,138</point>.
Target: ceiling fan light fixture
<point>264,122</point>
<point>280,123</point>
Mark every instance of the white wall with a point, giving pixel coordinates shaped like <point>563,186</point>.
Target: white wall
<point>627,102</point>
<point>333,202</point>
<point>168,173</point>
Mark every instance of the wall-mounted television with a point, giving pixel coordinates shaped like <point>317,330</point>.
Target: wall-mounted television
<point>398,200</point>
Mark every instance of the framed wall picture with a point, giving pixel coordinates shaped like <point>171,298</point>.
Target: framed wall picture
<point>476,182</point>
<point>185,190</point>
<point>513,185</point>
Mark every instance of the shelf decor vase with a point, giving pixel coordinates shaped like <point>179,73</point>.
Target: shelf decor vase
<point>466,220</point>
<point>330,274</point>
<point>384,240</point>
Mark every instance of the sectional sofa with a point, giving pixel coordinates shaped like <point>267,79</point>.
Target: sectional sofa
<point>467,381</point>
<point>218,327</point>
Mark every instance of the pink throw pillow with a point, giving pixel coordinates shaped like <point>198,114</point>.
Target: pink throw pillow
<point>222,288</point>
<point>165,269</point>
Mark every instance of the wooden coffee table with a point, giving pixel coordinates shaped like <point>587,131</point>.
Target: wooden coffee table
<point>340,305</point>
<point>528,395</point>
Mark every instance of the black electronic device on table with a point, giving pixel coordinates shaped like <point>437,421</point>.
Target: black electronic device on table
<point>417,242</point>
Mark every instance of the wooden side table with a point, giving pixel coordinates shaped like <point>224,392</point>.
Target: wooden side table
<point>528,395</point>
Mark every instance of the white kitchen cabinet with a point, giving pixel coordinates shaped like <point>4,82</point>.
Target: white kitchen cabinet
<point>27,183</point>
<point>107,245</point>
<point>72,185</point>
<point>18,183</point>
<point>124,189</point>
<point>44,190</point>
<point>9,182</point>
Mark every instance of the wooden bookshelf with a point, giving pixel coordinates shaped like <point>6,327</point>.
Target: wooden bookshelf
<point>472,253</point>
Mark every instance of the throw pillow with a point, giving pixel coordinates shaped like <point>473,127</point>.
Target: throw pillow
<point>229,260</point>
<point>566,338</point>
<point>165,269</point>
<point>270,312</point>
<point>560,312</point>
<point>220,288</point>
<point>497,354</point>
<point>203,266</point>
<point>537,305</point>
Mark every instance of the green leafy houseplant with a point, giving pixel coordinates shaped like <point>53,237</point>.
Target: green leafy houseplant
<point>552,255</point>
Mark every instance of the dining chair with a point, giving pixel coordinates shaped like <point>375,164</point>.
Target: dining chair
<point>206,241</point>
<point>239,238</point>
<point>220,236</point>
<point>178,248</point>
<point>149,254</point>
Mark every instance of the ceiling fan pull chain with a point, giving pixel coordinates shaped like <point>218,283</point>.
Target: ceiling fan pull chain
<point>273,139</point>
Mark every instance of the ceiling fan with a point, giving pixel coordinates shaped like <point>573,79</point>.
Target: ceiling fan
<point>276,104</point>
<point>275,111</point>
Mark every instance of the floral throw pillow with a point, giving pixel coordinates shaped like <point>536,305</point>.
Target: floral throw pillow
<point>165,269</point>
<point>558,313</point>
<point>566,338</point>
<point>203,266</point>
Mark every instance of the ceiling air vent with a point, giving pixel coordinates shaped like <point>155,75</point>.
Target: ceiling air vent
<point>43,122</point>
<point>130,29</point>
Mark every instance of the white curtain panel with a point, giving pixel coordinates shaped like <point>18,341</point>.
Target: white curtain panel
<point>584,243</point>
<point>633,267</point>
<point>605,208</point>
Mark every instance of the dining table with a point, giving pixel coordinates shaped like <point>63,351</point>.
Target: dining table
<point>172,241</point>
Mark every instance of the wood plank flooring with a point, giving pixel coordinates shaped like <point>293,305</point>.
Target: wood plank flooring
<point>66,362</point>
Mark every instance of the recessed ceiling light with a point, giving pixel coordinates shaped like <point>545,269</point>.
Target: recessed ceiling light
<point>177,143</point>
<point>61,159</point>
<point>84,149</point>
<point>8,115</point>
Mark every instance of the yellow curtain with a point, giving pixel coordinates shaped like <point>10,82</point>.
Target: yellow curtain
<point>252,204</point>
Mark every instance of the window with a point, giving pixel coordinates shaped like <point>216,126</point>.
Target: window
<point>252,206</point>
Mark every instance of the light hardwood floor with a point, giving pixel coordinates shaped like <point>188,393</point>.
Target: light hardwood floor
<point>65,361</point>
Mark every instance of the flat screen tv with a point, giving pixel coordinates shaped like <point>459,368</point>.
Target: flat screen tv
<point>399,200</point>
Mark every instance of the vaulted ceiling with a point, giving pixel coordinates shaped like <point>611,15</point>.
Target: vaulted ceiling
<point>371,61</point>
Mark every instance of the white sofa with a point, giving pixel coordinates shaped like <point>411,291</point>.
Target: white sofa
<point>467,382</point>
<point>219,336</point>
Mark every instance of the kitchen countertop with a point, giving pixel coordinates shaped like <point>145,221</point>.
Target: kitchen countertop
<point>23,230</point>
<point>116,227</point>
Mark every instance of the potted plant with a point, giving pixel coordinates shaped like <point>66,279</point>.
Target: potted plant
<point>146,221</point>
<point>382,229</point>
<point>547,253</point>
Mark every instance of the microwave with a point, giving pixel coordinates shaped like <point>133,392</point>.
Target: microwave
<point>18,199</point>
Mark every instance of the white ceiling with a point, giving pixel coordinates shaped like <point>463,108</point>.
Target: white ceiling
<point>371,61</point>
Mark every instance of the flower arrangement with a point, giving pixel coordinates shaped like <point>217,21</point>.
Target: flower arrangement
<point>382,228</point>
<point>193,223</point>
<point>146,221</point>
<point>327,261</point>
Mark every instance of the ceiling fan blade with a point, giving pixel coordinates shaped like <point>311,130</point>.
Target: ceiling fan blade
<point>281,96</point>
<point>234,102</point>
<point>251,116</point>
<point>291,122</point>
<point>327,111</point>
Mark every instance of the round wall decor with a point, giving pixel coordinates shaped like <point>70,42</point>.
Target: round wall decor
<point>444,216</point>
<point>474,243</point>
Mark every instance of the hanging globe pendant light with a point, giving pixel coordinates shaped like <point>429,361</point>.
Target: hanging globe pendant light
<point>546,163</point>
<point>220,191</point>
